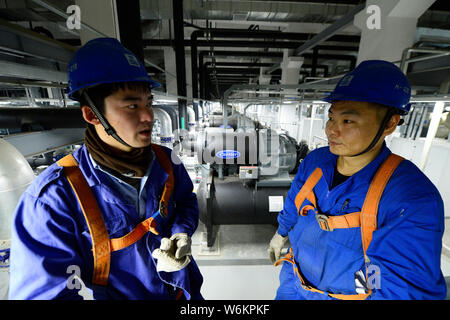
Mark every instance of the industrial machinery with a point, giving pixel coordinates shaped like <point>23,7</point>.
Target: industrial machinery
<point>246,173</point>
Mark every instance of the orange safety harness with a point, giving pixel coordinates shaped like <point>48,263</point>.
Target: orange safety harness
<point>366,219</point>
<point>102,245</point>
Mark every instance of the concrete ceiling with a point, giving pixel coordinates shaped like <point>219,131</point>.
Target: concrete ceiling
<point>306,17</point>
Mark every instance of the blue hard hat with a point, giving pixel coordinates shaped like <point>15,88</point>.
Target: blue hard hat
<point>104,60</point>
<point>375,81</point>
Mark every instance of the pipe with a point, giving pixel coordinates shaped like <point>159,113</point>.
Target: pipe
<point>432,129</point>
<point>48,118</point>
<point>233,33</point>
<point>434,124</point>
<point>237,87</point>
<point>166,136</point>
<point>172,111</point>
<point>177,6</point>
<point>405,56</point>
<point>15,176</point>
<point>203,73</point>
<point>191,118</point>
<point>130,30</point>
<point>247,44</point>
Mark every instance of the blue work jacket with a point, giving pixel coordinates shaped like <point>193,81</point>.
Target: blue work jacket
<point>51,239</point>
<point>405,251</point>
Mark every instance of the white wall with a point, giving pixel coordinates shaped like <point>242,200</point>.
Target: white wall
<point>436,168</point>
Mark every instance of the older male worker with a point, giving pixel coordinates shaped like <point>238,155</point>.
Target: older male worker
<point>363,223</point>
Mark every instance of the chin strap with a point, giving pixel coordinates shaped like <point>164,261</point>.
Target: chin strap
<point>108,128</point>
<point>383,125</point>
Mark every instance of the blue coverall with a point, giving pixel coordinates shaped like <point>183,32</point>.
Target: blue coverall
<point>50,234</point>
<point>405,249</point>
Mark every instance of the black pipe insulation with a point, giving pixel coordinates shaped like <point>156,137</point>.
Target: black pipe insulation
<point>178,24</point>
<point>47,118</point>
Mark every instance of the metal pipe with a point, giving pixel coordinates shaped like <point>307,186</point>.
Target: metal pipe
<point>233,33</point>
<point>434,124</point>
<point>405,56</point>
<point>422,120</point>
<point>411,122</point>
<point>180,59</point>
<point>432,129</point>
<point>48,118</point>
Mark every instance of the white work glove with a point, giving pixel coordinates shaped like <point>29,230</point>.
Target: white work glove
<point>275,246</point>
<point>174,253</point>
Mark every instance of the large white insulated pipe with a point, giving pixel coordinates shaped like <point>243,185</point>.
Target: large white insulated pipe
<point>165,121</point>
<point>15,176</point>
<point>191,118</point>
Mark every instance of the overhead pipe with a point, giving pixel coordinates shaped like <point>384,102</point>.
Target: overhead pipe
<point>203,54</point>
<point>130,29</point>
<point>236,87</point>
<point>436,53</point>
<point>48,118</point>
<point>233,33</point>
<point>256,43</point>
<point>177,6</point>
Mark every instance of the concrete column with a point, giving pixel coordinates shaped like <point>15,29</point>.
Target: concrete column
<point>388,27</point>
<point>100,15</point>
<point>171,71</point>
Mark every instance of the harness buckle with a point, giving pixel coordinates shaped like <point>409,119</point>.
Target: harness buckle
<point>322,220</point>
<point>162,209</point>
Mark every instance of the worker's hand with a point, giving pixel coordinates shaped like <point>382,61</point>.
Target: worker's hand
<point>174,253</point>
<point>182,243</point>
<point>275,246</point>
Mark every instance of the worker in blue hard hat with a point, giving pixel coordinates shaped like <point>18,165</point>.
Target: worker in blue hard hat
<point>118,213</point>
<point>362,222</point>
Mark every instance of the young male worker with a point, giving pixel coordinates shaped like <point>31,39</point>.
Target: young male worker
<point>363,223</point>
<point>119,211</point>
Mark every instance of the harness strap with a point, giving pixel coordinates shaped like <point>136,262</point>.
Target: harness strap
<point>367,218</point>
<point>100,238</point>
<point>326,223</point>
<point>170,181</point>
<point>370,207</point>
<point>306,191</point>
<point>289,257</point>
<point>102,245</point>
<point>134,235</point>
